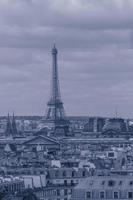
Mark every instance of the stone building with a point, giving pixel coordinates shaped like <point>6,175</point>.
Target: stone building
<point>60,183</point>
<point>11,185</point>
<point>104,187</point>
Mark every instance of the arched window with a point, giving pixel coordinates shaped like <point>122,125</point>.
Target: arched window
<point>116,195</point>
<point>88,195</point>
<point>102,195</point>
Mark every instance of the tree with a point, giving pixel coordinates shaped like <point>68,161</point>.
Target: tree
<point>29,195</point>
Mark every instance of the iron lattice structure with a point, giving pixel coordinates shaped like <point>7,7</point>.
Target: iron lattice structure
<point>55,110</point>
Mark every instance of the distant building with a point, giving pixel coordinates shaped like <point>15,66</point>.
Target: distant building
<point>11,127</point>
<point>104,187</point>
<point>115,127</point>
<point>94,124</point>
<point>42,143</point>
<point>60,183</point>
<point>11,185</point>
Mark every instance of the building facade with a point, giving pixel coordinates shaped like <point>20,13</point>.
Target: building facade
<point>104,187</point>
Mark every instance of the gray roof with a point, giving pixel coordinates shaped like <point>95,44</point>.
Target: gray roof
<point>106,182</point>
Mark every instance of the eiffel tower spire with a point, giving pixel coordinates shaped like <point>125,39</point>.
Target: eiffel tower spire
<point>55,109</point>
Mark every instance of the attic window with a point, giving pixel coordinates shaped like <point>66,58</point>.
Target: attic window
<point>120,183</point>
<point>111,183</point>
<point>103,182</point>
<point>131,183</point>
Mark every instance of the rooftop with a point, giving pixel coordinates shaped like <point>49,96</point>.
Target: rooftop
<point>101,182</point>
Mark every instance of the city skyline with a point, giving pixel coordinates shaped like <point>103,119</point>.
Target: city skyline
<point>95,59</point>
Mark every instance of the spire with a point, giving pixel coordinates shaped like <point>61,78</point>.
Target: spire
<point>14,126</point>
<point>116,113</point>
<point>54,50</point>
<point>8,131</point>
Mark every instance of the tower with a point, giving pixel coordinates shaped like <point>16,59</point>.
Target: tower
<point>8,131</point>
<point>11,127</point>
<point>55,115</point>
<point>14,126</point>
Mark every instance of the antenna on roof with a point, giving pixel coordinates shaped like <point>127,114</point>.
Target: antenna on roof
<point>116,113</point>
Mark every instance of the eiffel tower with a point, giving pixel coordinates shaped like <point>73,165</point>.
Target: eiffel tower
<point>55,114</point>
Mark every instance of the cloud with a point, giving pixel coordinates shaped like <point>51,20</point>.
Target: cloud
<point>95,56</point>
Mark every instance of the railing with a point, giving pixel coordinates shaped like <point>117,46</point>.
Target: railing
<point>61,185</point>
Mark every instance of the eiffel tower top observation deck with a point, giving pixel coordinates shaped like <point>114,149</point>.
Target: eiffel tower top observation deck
<point>55,114</point>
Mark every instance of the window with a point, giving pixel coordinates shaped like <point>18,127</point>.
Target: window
<point>83,173</point>
<point>58,192</point>
<point>73,173</point>
<point>34,149</point>
<point>65,182</point>
<point>111,154</point>
<point>130,195</point>
<point>56,174</point>
<point>72,182</point>
<point>116,195</point>
<point>102,195</point>
<point>65,192</point>
<point>48,175</point>
<point>64,173</point>
<point>103,182</point>
<point>120,183</point>
<point>111,183</point>
<point>88,194</point>
<point>131,183</point>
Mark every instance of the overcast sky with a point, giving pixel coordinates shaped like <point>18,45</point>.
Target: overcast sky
<point>95,55</point>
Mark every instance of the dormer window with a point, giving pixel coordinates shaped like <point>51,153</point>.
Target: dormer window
<point>120,183</point>
<point>111,183</point>
<point>131,183</point>
<point>103,182</point>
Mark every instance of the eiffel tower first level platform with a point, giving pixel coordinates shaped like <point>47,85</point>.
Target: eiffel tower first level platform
<point>55,115</point>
